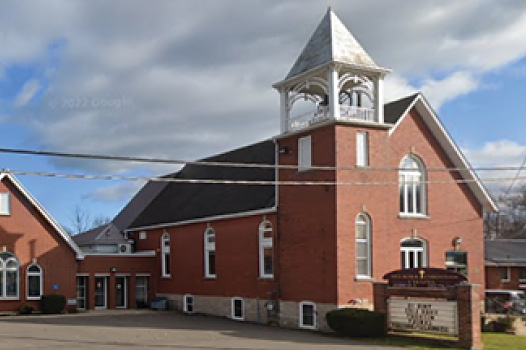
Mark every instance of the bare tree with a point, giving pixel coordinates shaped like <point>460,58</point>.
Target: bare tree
<point>510,222</point>
<point>81,221</point>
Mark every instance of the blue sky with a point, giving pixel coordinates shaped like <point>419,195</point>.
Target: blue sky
<point>184,80</point>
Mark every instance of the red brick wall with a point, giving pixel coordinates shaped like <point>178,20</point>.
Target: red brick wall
<point>452,209</point>
<point>29,236</point>
<point>307,222</point>
<point>494,281</point>
<point>237,258</point>
<point>113,266</point>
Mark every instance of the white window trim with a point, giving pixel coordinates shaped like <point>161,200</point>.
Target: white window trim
<point>165,251</point>
<point>406,251</point>
<point>304,153</point>
<point>405,174</point>
<point>234,317</point>
<point>521,279</point>
<point>85,277</point>
<point>185,303</point>
<point>508,275</point>
<point>209,247</point>
<point>7,210</point>
<point>265,243</point>
<point>146,286</point>
<point>301,324</point>
<point>362,149</point>
<point>3,271</point>
<point>34,274</point>
<point>142,235</point>
<point>367,223</point>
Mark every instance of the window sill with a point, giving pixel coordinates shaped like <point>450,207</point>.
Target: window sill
<point>209,278</point>
<point>413,216</point>
<point>33,298</point>
<point>364,279</point>
<point>266,278</point>
<point>9,298</point>
<point>167,277</point>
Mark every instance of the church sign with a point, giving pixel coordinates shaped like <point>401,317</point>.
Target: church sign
<point>423,316</point>
<point>424,278</point>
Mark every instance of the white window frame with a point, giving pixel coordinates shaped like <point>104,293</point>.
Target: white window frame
<point>362,149</point>
<point>415,250</point>
<point>233,305</point>
<point>165,252</point>
<point>143,287</point>
<point>186,303</point>
<point>304,153</point>
<point>209,247</point>
<point>508,274</point>
<point>303,325</point>
<point>40,276</point>
<point>413,179</point>
<point>143,235</point>
<point>365,220</point>
<point>264,244</point>
<point>3,275</point>
<point>520,269</point>
<point>5,203</point>
<point>454,265</point>
<point>84,287</point>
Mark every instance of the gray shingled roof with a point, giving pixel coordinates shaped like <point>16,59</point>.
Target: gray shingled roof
<point>186,201</point>
<point>393,111</point>
<point>505,252</point>
<point>105,234</point>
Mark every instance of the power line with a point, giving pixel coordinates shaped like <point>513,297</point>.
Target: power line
<point>244,182</point>
<point>235,164</point>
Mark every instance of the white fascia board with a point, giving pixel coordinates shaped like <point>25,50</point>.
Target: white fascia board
<point>45,214</point>
<point>451,149</point>
<point>142,254</point>
<point>206,219</point>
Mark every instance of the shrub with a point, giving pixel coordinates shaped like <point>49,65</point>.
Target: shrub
<point>360,323</point>
<point>52,303</point>
<point>25,309</point>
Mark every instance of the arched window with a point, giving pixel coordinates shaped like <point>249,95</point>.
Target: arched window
<point>9,276</point>
<point>165,252</point>
<point>210,253</point>
<point>34,282</point>
<point>363,245</point>
<point>266,250</point>
<point>412,186</point>
<point>413,253</point>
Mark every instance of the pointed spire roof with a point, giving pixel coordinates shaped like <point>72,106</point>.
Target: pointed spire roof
<point>331,42</point>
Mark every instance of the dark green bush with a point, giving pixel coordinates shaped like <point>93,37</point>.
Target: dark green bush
<point>358,323</point>
<point>25,309</point>
<point>52,303</point>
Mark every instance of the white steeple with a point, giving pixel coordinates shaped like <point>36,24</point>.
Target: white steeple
<point>333,69</point>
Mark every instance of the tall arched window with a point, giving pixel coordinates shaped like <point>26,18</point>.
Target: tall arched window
<point>412,186</point>
<point>165,252</point>
<point>210,253</point>
<point>34,282</point>
<point>9,276</point>
<point>266,250</point>
<point>363,245</point>
<point>413,253</point>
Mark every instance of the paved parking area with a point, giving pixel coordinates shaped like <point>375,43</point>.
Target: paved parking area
<point>133,329</point>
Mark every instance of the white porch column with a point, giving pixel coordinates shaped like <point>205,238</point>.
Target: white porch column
<point>334,94</point>
<point>379,99</point>
<point>284,109</point>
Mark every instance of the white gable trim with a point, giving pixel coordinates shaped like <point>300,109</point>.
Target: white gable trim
<point>67,238</point>
<point>453,152</point>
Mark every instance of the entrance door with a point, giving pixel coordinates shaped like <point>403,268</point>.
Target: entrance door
<point>141,291</point>
<point>81,292</point>
<point>121,296</point>
<point>100,293</point>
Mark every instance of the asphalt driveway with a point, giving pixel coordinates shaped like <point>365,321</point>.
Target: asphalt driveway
<point>131,329</point>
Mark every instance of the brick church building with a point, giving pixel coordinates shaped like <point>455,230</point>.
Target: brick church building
<point>304,222</point>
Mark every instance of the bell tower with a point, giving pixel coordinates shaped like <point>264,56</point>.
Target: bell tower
<point>336,74</point>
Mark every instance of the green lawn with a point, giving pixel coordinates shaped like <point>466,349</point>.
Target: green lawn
<point>492,341</point>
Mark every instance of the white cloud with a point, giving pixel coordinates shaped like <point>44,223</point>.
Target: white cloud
<point>28,91</point>
<point>505,154</point>
<point>118,192</point>
<point>197,75</point>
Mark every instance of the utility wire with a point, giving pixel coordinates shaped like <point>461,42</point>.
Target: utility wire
<point>244,182</point>
<point>235,164</point>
